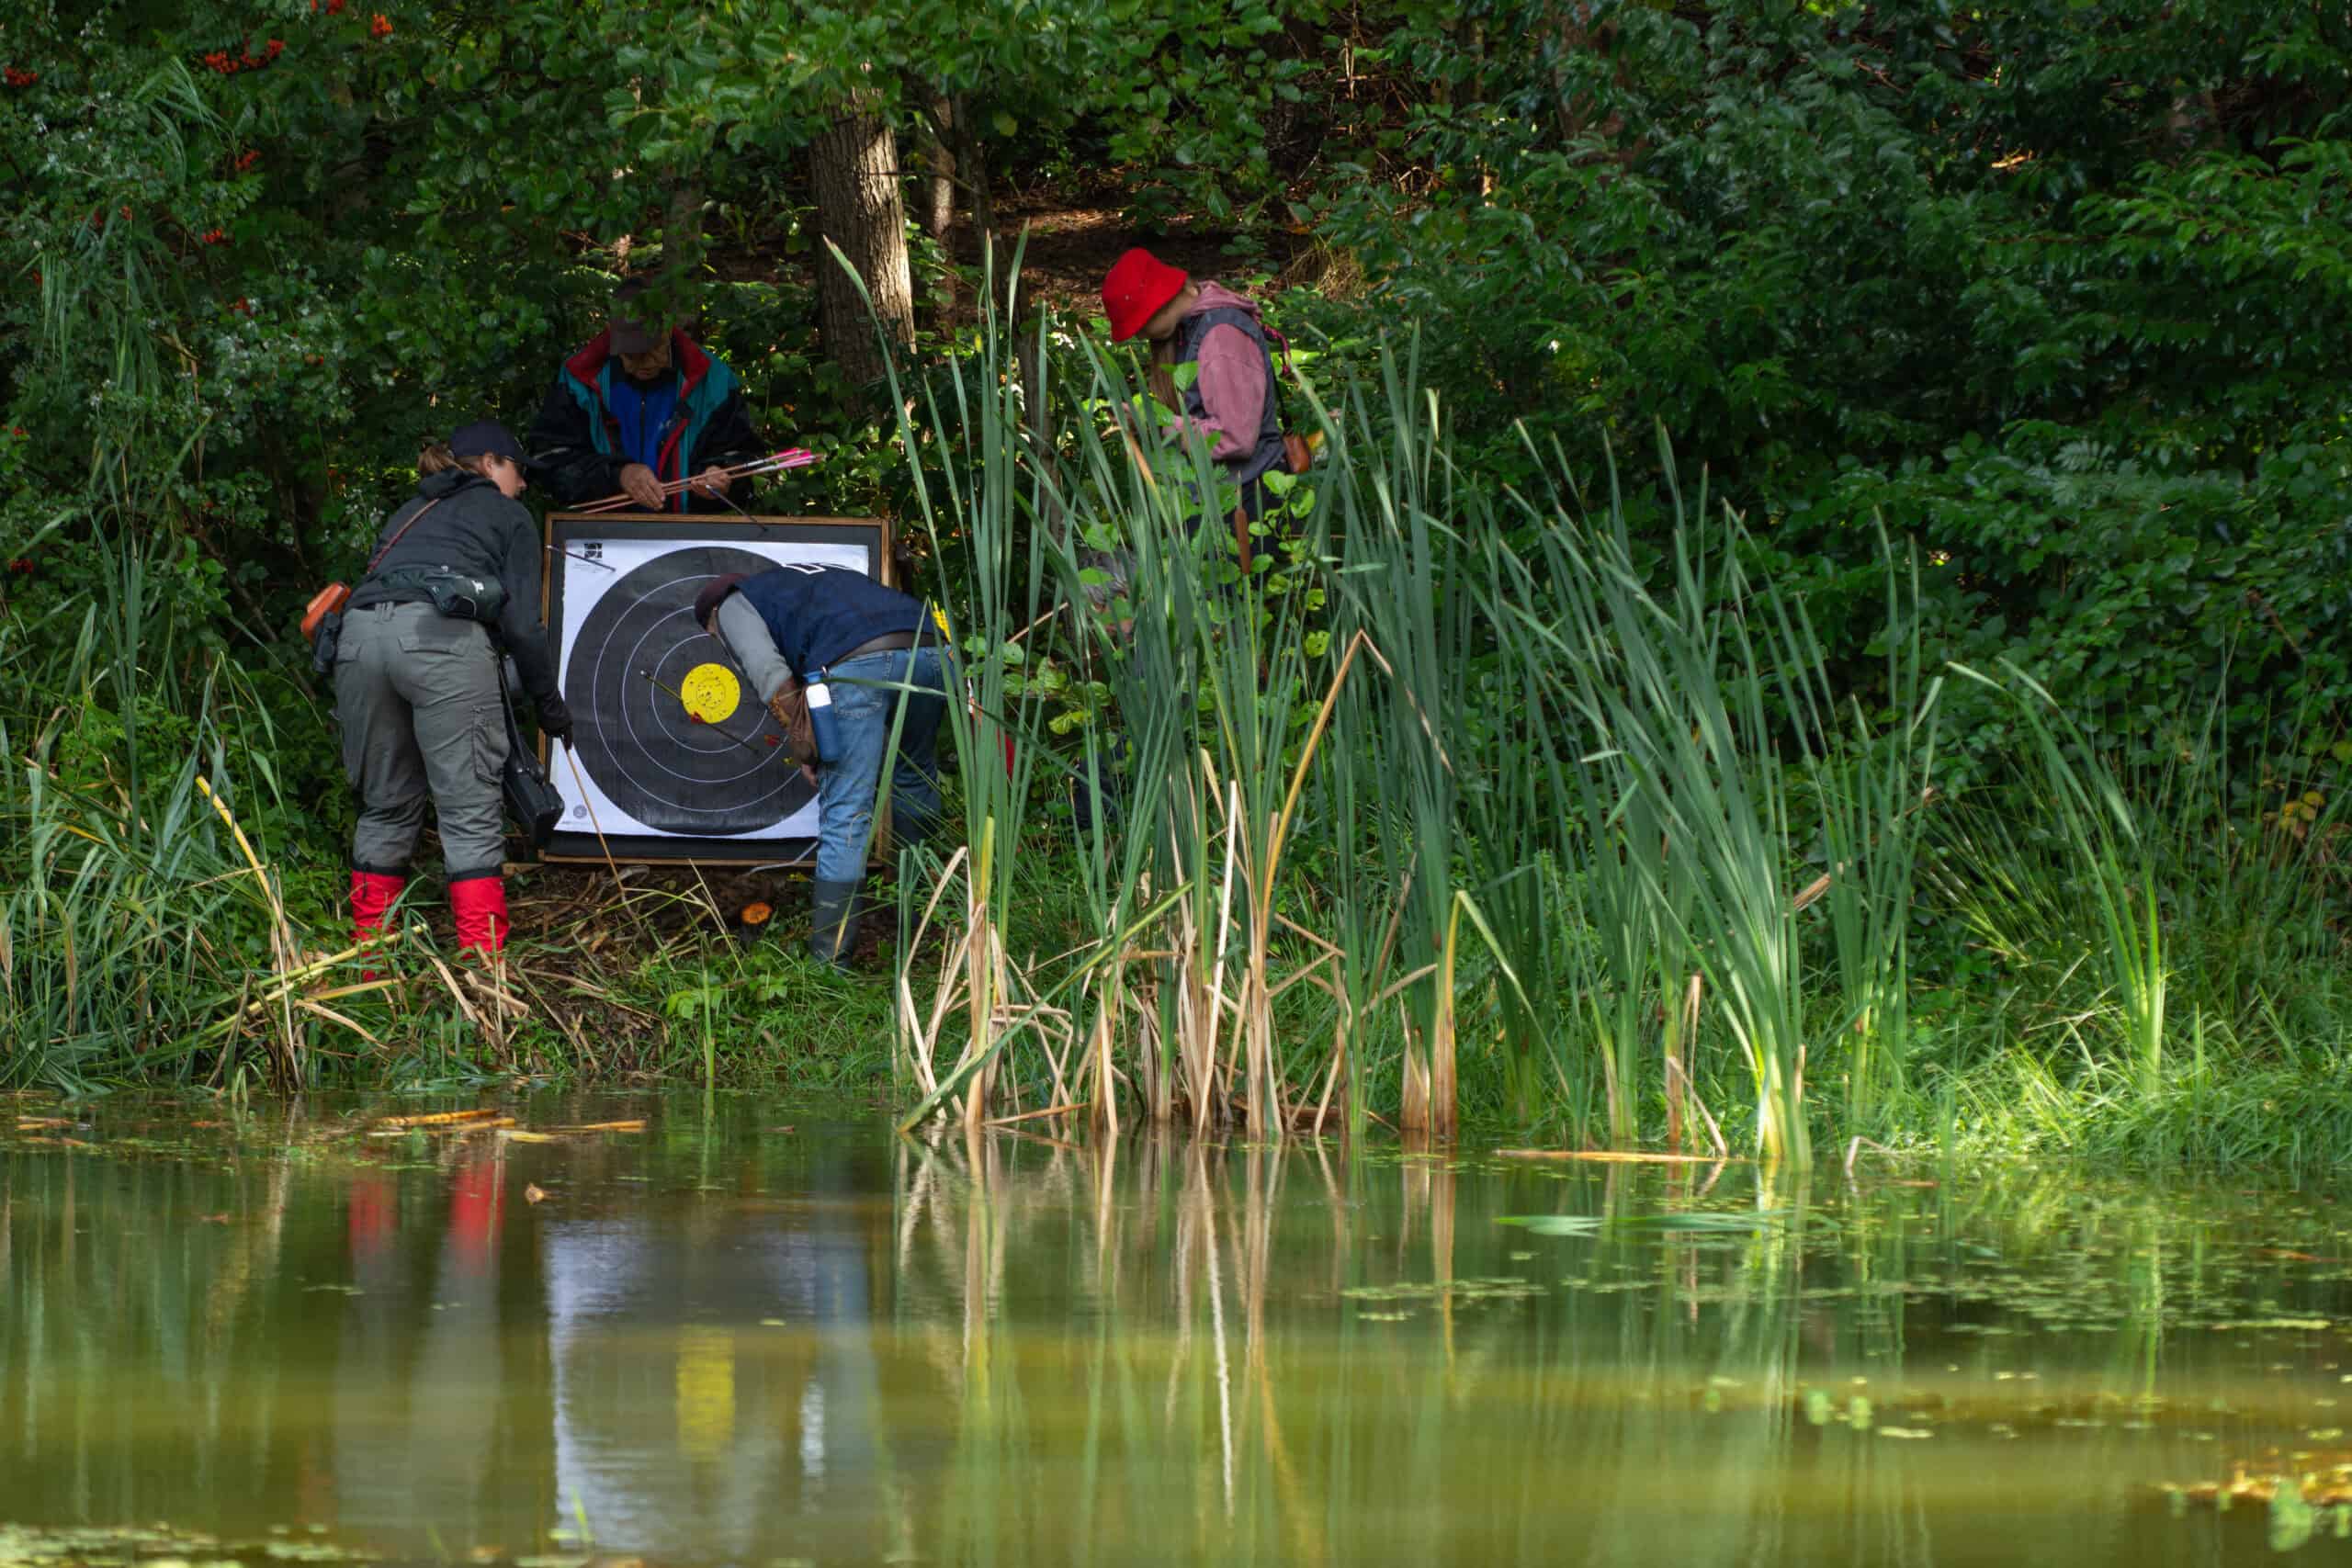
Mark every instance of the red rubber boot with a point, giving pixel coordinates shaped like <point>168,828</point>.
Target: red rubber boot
<point>480,903</point>
<point>373,893</point>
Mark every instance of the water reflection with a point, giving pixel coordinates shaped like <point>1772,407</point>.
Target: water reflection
<point>739,1341</point>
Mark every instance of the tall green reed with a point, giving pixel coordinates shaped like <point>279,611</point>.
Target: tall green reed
<point>1679,694</point>
<point>1390,507</point>
<point>1419,757</point>
<point>1866,782</point>
<point>2116,866</point>
<point>975,510</point>
<point>135,929</point>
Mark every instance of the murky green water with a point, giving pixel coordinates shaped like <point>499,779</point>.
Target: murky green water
<point>777,1336</point>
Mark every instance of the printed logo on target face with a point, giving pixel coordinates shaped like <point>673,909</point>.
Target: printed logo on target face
<point>593,550</point>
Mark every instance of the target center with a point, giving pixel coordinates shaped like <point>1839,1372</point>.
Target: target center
<point>711,693</point>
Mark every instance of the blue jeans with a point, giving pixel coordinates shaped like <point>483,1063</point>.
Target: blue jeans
<point>864,699</point>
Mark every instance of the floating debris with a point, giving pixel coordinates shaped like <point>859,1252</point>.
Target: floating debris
<point>158,1546</point>
<point>1616,1157</point>
<point>441,1119</point>
<point>1460,1291</point>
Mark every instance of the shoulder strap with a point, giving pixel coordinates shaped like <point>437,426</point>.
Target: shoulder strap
<point>1278,341</point>
<point>396,538</point>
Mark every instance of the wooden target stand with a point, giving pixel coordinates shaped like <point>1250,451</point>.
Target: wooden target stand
<point>577,544</point>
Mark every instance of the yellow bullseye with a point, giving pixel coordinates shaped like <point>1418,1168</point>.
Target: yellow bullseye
<point>711,693</point>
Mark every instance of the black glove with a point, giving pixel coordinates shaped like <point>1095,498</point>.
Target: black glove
<point>555,719</point>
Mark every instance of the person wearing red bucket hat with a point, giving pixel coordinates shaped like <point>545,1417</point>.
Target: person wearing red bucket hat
<point>1138,286</point>
<point>1233,402</point>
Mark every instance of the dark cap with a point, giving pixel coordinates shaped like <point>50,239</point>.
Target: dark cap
<point>706,602</point>
<point>486,438</point>
<point>629,332</point>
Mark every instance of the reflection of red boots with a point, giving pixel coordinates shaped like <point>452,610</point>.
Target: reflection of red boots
<point>480,903</point>
<point>373,893</point>
<point>477,1211</point>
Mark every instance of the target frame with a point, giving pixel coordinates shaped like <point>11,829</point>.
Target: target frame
<point>565,532</point>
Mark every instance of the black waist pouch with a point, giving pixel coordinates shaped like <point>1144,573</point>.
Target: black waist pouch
<point>324,643</point>
<point>460,595</point>
<point>531,800</point>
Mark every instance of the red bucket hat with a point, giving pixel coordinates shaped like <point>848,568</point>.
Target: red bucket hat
<point>1139,284</point>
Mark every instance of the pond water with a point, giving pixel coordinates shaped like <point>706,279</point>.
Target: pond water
<point>760,1335</point>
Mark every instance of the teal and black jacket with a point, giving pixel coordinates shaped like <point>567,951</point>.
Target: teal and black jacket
<point>576,445</point>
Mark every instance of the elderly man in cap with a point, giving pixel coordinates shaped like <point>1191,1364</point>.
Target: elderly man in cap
<point>641,407</point>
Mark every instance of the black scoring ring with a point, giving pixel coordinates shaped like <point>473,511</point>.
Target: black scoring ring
<point>632,733</point>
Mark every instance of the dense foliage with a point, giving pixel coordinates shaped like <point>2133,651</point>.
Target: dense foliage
<point>2060,292</point>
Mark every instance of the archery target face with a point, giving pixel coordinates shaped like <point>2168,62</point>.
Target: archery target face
<point>670,741</point>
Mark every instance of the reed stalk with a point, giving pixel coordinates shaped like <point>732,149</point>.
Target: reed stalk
<point>973,512</point>
<point>2115,862</point>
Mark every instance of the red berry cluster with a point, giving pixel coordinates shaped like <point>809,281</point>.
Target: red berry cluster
<point>221,62</point>
<point>379,25</point>
<point>216,236</point>
<point>15,78</point>
<point>248,159</point>
<point>241,306</point>
<point>334,7</point>
<point>21,567</point>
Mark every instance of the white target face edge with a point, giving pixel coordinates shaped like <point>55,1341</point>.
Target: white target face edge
<point>590,570</point>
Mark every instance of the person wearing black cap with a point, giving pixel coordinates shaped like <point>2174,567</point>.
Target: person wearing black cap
<point>873,648</point>
<point>455,578</point>
<point>637,408</point>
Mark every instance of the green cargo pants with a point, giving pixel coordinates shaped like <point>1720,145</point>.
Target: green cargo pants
<point>418,695</point>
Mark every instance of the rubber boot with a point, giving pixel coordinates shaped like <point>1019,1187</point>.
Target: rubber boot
<point>480,903</point>
<point>373,893</point>
<point>833,910</point>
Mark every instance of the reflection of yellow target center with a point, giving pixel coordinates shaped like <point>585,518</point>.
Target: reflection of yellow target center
<point>712,693</point>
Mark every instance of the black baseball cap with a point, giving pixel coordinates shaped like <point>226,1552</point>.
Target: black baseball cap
<point>486,438</point>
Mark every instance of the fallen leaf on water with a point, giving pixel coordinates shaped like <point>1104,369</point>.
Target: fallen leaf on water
<point>636,1126</point>
<point>440,1119</point>
<point>33,1124</point>
<point>534,1194</point>
<point>221,1219</point>
<point>2306,1324</point>
<point>1614,1157</point>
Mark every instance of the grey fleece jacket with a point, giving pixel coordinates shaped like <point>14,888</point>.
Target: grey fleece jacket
<point>474,529</point>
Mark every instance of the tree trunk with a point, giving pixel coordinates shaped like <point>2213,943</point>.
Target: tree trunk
<point>854,164</point>
<point>938,207</point>
<point>939,182</point>
<point>972,173</point>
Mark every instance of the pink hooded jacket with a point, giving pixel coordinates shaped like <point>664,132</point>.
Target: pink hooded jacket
<point>1232,381</point>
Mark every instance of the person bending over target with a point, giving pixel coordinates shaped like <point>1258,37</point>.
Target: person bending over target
<point>826,632</point>
<point>416,681</point>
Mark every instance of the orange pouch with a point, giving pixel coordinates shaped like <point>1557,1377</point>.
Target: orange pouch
<point>327,601</point>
